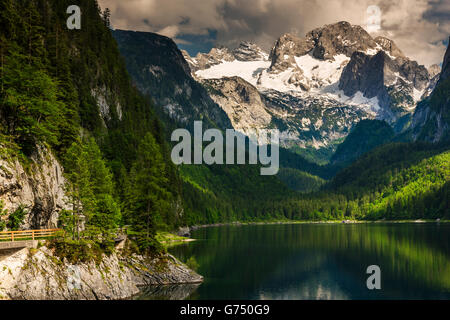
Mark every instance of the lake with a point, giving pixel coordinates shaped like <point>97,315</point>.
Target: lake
<point>316,261</point>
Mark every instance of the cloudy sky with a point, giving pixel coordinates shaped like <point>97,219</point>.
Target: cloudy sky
<point>419,27</point>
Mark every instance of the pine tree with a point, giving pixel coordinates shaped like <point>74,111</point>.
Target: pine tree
<point>106,215</point>
<point>107,17</point>
<point>29,103</point>
<point>148,197</point>
<point>91,189</point>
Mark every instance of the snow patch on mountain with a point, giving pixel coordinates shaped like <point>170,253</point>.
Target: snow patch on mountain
<point>247,70</point>
<point>322,72</point>
<point>318,87</point>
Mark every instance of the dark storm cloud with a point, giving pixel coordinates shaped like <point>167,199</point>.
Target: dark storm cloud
<point>419,27</point>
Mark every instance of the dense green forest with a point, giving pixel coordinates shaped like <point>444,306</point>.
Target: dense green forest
<point>365,136</point>
<point>117,161</point>
<point>50,77</point>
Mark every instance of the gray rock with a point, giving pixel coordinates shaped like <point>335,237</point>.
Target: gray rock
<point>378,76</point>
<point>28,275</point>
<point>339,38</point>
<point>286,48</point>
<point>184,232</point>
<point>40,189</point>
<point>389,46</point>
<point>248,51</point>
<point>241,101</point>
<point>434,70</point>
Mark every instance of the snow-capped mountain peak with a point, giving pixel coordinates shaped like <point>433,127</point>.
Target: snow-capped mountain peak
<point>304,80</point>
<point>248,51</point>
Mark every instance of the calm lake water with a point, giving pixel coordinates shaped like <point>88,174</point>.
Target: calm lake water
<point>316,261</point>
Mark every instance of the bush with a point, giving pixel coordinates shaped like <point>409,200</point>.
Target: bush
<point>16,218</point>
<point>3,212</point>
<point>81,251</point>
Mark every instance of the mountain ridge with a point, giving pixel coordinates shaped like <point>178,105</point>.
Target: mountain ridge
<point>330,66</point>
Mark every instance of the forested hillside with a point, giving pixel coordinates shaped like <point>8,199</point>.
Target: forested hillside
<point>365,136</point>
<point>69,90</point>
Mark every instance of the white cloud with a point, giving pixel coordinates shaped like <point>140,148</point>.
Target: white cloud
<point>417,26</point>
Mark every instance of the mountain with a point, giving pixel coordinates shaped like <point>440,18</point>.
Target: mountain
<point>217,193</point>
<point>245,52</point>
<point>396,82</point>
<point>431,120</point>
<point>316,88</point>
<point>365,136</point>
<point>160,71</point>
<point>241,102</point>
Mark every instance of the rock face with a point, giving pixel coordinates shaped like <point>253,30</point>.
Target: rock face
<point>286,48</point>
<point>29,275</point>
<point>431,120</point>
<point>394,82</point>
<point>248,51</point>
<point>214,57</point>
<point>310,122</point>
<point>389,46</point>
<point>434,70</point>
<point>322,43</point>
<point>159,69</point>
<point>40,188</point>
<point>339,38</point>
<point>241,101</point>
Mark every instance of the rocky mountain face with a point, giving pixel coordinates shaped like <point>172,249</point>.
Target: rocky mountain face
<point>311,122</point>
<point>159,69</point>
<point>38,188</point>
<point>397,82</point>
<point>316,88</point>
<point>246,51</point>
<point>431,120</point>
<point>241,101</point>
<point>322,43</point>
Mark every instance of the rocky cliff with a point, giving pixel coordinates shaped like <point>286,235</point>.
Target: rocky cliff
<point>36,274</point>
<point>397,82</point>
<point>160,70</point>
<point>246,51</point>
<point>431,120</point>
<point>37,185</point>
<point>241,101</point>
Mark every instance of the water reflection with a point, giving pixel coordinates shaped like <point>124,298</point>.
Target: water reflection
<point>321,261</point>
<point>167,292</point>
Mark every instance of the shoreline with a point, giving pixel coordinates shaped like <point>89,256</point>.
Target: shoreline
<point>37,274</point>
<point>293,222</point>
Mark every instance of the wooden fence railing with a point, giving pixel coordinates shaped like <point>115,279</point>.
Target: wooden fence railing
<point>28,234</point>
